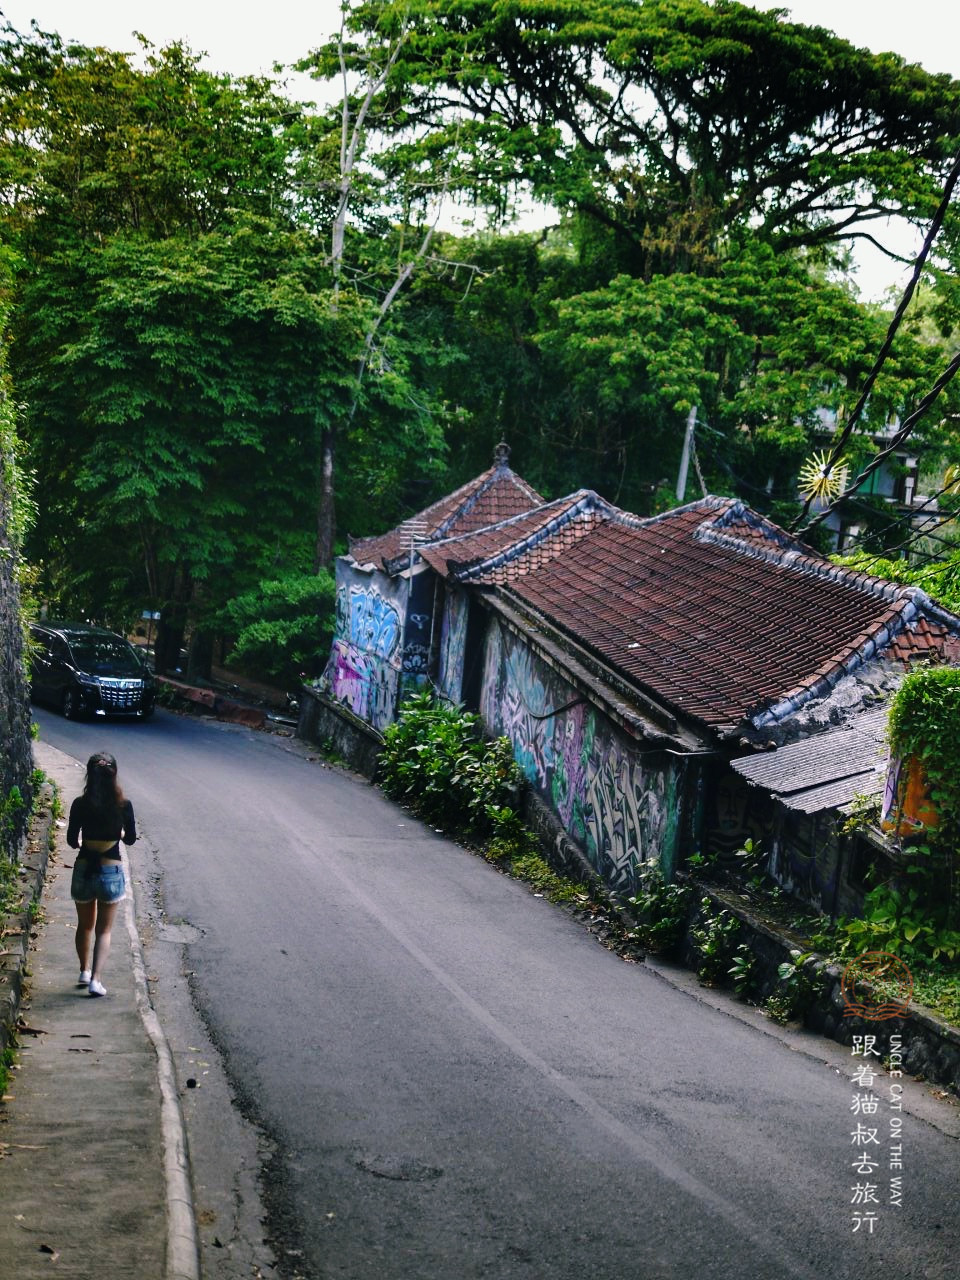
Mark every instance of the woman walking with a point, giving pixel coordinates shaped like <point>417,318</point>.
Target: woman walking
<point>99,820</point>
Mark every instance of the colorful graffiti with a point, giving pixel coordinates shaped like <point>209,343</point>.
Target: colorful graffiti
<point>617,807</point>
<point>374,622</point>
<point>363,670</point>
<point>365,684</point>
<point>453,636</point>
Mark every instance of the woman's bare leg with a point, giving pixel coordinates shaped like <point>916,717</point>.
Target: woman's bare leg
<point>105,916</point>
<point>86,923</point>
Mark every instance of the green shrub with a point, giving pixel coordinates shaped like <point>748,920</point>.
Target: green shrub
<point>436,760</point>
<point>743,970</point>
<point>799,987</point>
<point>925,722</point>
<point>283,628</point>
<point>715,938</point>
<point>661,907</point>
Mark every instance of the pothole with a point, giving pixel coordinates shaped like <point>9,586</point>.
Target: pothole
<point>179,931</point>
<point>398,1168</point>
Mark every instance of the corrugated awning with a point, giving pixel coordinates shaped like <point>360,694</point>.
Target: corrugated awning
<point>827,771</point>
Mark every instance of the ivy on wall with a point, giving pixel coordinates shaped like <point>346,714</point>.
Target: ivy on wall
<point>925,723</point>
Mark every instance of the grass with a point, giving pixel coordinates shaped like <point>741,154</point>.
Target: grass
<point>939,991</point>
<point>537,872</point>
<point>7,1059</point>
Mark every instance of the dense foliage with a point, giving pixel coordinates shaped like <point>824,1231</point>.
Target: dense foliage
<point>238,328</point>
<point>925,723</point>
<point>16,777</point>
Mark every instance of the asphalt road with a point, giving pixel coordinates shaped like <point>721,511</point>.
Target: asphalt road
<point>460,1082</point>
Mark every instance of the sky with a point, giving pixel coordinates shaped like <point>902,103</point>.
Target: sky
<point>243,36</point>
<point>249,36</point>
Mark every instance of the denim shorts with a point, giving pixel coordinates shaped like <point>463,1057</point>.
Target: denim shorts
<point>91,880</point>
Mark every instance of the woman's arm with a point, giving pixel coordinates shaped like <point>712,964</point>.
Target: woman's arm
<point>73,826</point>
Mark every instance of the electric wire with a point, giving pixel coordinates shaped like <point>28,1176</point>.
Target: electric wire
<point>909,423</point>
<point>854,418</point>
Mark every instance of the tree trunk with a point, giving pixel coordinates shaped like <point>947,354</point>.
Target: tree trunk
<point>326,516</point>
<point>200,655</point>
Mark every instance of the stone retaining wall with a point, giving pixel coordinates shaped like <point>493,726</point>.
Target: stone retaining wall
<point>930,1045</point>
<point>17,928</point>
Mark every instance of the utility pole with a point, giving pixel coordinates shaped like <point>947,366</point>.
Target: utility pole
<point>685,455</point>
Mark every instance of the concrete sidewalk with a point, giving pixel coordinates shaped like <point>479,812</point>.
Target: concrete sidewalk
<point>93,1170</point>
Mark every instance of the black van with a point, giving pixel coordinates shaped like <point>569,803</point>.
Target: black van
<point>85,670</point>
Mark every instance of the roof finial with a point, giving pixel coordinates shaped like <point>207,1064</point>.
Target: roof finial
<point>501,454</point>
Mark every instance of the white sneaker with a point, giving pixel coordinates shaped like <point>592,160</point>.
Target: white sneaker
<point>84,979</point>
<point>97,988</point>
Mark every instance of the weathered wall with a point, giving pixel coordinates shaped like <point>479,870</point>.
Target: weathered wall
<point>338,732</point>
<point>621,806</point>
<point>453,638</point>
<point>366,657</point>
<point>806,853</point>
<point>416,658</point>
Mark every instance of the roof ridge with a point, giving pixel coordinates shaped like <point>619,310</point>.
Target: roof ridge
<point>813,565</point>
<point>633,521</point>
<point>435,541</point>
<point>586,501</point>
<point>486,478</point>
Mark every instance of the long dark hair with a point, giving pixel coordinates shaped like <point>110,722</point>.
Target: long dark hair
<point>102,789</point>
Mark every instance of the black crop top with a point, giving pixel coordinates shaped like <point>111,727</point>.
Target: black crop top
<point>96,825</point>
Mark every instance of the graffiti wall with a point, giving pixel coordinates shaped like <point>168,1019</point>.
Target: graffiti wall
<point>621,807</point>
<point>416,661</point>
<point>453,638</point>
<point>366,656</point>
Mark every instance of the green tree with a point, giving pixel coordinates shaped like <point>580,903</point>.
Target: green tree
<point>667,121</point>
<point>15,513</point>
<point>177,391</point>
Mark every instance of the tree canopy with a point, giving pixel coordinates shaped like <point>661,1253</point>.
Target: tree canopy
<point>668,121</point>
<point>237,324</point>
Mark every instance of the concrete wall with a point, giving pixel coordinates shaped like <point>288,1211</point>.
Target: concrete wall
<point>621,806</point>
<point>338,732</point>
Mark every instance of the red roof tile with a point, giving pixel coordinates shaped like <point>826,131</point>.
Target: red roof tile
<point>709,607</point>
<point>544,532</point>
<point>496,495</point>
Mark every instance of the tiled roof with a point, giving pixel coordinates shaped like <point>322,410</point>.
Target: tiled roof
<point>922,637</point>
<point>544,532</point>
<point>710,607</point>
<point>496,495</point>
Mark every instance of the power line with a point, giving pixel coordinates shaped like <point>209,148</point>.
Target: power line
<point>909,423</point>
<point>837,450</point>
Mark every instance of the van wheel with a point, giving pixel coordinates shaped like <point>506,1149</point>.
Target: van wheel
<point>70,705</point>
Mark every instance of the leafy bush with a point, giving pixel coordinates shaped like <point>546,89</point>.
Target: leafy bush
<point>743,970</point>
<point>904,921</point>
<point>925,723</point>
<point>661,908</point>
<point>715,938</point>
<point>283,628</point>
<point>436,760</point>
<point>799,987</point>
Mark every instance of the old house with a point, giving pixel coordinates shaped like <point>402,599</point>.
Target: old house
<point>629,661</point>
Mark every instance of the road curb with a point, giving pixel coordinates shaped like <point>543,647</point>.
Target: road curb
<point>183,1249</point>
